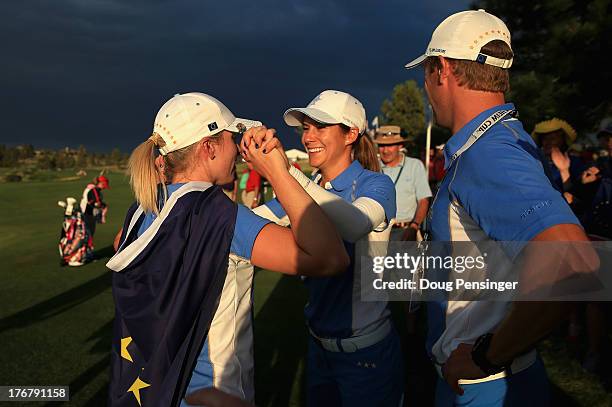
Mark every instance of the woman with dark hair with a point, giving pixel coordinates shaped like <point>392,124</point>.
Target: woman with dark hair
<point>354,355</point>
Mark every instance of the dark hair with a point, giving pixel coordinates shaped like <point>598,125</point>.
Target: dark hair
<point>364,151</point>
<point>477,76</point>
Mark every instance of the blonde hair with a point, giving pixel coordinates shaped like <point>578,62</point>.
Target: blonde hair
<point>145,176</point>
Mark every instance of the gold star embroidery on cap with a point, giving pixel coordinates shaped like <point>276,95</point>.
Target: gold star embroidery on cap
<point>136,387</point>
<point>124,352</point>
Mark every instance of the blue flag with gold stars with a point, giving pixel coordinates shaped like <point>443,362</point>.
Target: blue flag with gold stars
<point>166,286</point>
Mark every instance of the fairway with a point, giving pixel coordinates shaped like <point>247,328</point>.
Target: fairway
<point>55,322</point>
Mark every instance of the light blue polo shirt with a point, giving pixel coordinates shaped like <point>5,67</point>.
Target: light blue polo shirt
<point>496,190</point>
<point>334,308</point>
<point>411,186</point>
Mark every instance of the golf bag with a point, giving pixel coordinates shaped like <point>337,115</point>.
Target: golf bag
<point>75,245</point>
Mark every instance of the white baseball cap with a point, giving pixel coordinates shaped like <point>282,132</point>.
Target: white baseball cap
<point>330,107</point>
<point>462,35</point>
<point>187,118</point>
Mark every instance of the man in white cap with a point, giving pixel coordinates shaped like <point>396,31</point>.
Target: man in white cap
<point>495,189</point>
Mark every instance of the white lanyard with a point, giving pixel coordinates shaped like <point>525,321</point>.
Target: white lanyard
<point>480,130</point>
<point>423,245</point>
<point>478,133</point>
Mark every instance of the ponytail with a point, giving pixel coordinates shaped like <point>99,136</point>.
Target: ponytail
<point>144,175</point>
<point>364,151</point>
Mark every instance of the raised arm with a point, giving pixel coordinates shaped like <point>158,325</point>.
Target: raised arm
<point>352,220</point>
<point>312,246</point>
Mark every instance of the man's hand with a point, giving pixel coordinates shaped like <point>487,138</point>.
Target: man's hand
<point>460,365</point>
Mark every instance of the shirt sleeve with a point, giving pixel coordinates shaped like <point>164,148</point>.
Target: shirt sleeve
<point>248,226</point>
<point>420,181</point>
<point>380,188</point>
<point>509,195</point>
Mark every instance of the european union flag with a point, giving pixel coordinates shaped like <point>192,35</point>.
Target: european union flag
<point>166,289</point>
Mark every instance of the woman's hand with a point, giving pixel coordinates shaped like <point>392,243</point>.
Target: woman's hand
<point>561,160</point>
<point>252,147</point>
<point>267,141</point>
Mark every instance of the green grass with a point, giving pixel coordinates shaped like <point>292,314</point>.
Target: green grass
<point>55,323</point>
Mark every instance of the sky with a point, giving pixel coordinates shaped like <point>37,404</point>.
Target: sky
<point>95,72</point>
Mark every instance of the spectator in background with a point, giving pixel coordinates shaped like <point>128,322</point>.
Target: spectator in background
<point>93,206</point>
<point>436,167</point>
<point>554,137</point>
<point>251,195</point>
<point>295,164</point>
<point>243,179</point>
<point>411,188</point>
<point>604,161</point>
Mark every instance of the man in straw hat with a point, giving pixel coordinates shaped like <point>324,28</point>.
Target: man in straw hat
<point>494,190</point>
<point>411,188</point>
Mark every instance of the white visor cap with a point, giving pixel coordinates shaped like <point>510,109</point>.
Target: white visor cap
<point>187,118</point>
<point>462,35</point>
<point>330,107</point>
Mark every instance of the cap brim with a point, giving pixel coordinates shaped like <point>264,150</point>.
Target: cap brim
<point>415,62</point>
<point>294,117</point>
<point>239,125</point>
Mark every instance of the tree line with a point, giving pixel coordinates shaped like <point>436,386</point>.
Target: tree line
<point>65,158</point>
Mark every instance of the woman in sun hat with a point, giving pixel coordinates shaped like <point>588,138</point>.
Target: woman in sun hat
<point>555,137</point>
<point>354,355</point>
<point>183,307</point>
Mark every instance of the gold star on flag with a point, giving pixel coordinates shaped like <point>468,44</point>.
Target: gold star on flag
<point>136,387</point>
<point>124,352</point>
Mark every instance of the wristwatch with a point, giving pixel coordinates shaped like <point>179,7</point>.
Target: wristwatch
<point>479,355</point>
<point>416,223</point>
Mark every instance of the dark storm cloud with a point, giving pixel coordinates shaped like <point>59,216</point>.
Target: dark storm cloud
<point>95,72</point>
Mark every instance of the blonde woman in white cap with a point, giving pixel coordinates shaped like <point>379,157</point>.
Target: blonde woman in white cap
<point>354,356</point>
<point>183,306</point>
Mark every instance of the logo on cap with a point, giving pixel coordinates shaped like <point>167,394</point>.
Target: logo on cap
<point>213,126</point>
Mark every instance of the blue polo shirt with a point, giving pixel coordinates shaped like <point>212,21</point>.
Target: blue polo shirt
<point>334,308</point>
<point>496,190</point>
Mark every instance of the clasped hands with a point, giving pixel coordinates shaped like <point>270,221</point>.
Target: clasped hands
<point>261,148</point>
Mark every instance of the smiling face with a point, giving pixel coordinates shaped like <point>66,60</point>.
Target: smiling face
<point>326,144</point>
<point>389,153</point>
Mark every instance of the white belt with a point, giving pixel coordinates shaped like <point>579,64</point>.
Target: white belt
<point>349,345</point>
<point>519,364</point>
